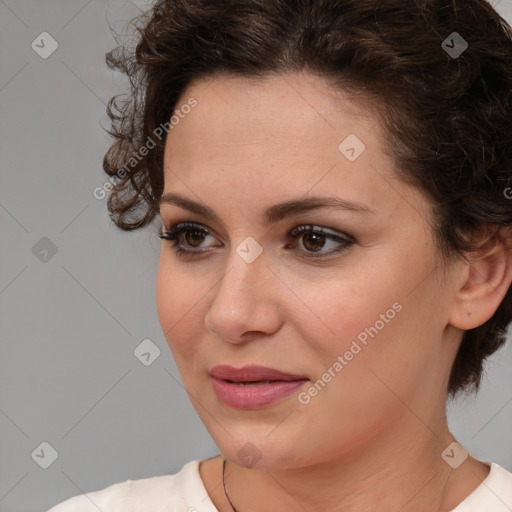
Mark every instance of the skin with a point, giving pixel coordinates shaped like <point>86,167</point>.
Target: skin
<point>372,438</point>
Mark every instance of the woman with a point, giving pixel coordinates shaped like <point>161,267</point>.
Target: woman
<point>333,180</point>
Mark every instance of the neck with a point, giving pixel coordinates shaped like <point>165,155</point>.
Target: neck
<point>397,472</point>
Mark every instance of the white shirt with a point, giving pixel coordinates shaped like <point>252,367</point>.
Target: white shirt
<point>185,492</point>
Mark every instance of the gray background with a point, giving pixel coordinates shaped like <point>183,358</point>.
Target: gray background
<point>70,324</point>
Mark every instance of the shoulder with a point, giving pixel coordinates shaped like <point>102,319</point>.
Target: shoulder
<point>168,493</point>
<point>494,494</point>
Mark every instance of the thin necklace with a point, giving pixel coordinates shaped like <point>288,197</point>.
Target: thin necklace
<point>224,484</point>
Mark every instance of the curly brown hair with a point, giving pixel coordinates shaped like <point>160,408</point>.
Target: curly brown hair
<point>446,109</point>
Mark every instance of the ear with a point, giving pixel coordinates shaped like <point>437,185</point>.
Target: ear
<point>483,281</point>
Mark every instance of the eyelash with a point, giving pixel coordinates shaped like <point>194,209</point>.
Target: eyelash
<point>178,229</point>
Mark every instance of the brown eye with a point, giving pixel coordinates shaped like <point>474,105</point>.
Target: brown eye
<point>189,239</point>
<point>318,242</point>
<point>313,241</point>
<point>195,237</point>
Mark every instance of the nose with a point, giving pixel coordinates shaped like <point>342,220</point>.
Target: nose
<point>245,302</point>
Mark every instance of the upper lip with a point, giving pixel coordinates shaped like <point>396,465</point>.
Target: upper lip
<point>251,374</point>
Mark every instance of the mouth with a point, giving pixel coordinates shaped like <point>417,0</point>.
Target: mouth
<point>252,374</point>
<point>251,383</point>
<point>253,387</point>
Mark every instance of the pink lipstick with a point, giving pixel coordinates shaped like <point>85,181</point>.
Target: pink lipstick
<point>253,387</point>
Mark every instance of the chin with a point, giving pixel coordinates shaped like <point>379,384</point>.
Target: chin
<point>259,452</point>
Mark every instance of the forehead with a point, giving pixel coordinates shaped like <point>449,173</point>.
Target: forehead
<point>285,117</point>
<point>293,104</point>
<point>278,137</point>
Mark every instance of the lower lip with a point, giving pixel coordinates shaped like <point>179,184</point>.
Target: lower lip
<point>256,396</point>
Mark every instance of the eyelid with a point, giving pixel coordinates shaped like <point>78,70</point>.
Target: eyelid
<point>181,227</point>
<point>298,228</point>
<point>315,228</point>
<point>344,240</point>
<point>176,226</point>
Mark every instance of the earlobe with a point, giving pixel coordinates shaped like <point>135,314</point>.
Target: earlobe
<point>484,280</point>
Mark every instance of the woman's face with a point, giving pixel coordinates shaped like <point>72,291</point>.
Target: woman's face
<point>355,315</point>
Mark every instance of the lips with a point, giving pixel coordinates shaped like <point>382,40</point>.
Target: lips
<point>253,387</point>
<point>252,374</point>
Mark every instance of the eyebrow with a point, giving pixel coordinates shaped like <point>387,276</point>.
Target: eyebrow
<point>274,213</point>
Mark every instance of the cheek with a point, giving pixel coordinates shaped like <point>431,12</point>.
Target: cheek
<point>368,317</point>
<point>383,328</point>
<point>338,310</point>
<point>180,305</point>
